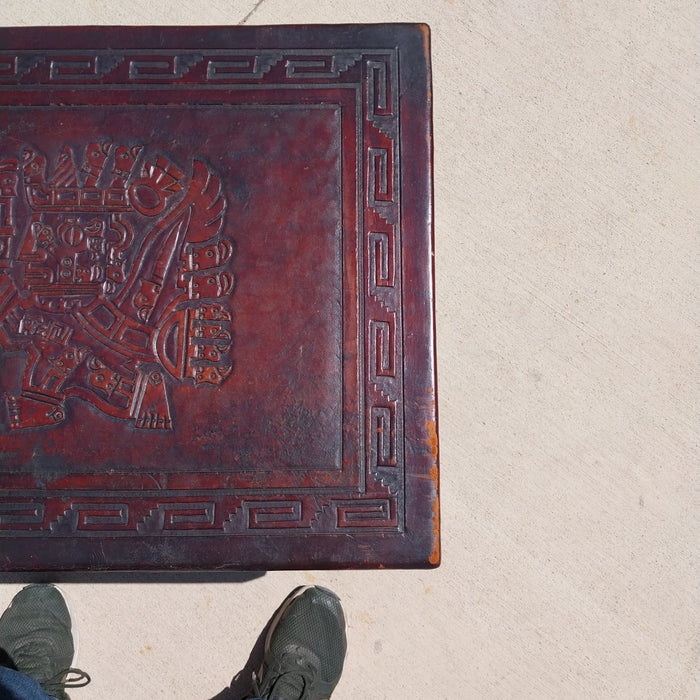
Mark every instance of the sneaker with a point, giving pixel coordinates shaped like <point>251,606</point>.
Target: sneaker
<point>304,649</point>
<point>35,631</point>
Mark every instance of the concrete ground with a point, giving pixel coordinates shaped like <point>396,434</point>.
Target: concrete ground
<point>566,187</point>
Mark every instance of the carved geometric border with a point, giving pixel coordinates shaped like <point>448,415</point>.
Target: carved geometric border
<point>378,505</point>
<point>216,516</point>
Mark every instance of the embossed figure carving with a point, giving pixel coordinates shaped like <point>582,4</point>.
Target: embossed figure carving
<point>115,282</point>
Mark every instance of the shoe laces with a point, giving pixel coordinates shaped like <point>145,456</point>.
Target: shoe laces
<point>69,678</point>
<point>293,684</point>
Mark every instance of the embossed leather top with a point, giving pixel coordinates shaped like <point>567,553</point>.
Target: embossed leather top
<point>216,298</point>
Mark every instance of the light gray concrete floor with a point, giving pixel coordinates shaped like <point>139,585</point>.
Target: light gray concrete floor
<point>566,191</point>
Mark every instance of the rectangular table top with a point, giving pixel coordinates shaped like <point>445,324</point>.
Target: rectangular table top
<point>216,298</point>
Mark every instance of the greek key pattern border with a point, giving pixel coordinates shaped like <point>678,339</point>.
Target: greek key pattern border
<point>379,504</point>
<point>216,516</point>
<point>153,67</point>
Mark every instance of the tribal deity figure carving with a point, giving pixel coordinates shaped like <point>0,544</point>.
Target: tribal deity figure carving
<point>115,282</point>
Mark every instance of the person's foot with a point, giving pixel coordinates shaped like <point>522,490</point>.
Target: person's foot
<point>305,648</point>
<point>35,631</point>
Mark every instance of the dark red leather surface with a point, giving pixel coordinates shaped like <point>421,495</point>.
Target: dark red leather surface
<point>216,299</point>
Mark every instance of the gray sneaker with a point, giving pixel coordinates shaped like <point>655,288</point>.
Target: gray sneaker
<point>305,648</point>
<point>35,631</point>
